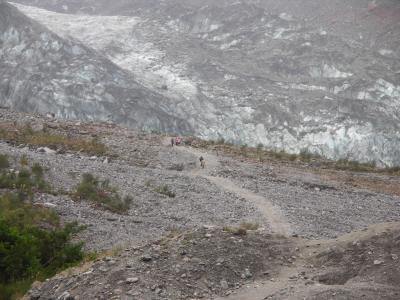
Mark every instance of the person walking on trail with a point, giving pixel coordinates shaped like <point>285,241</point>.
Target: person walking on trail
<point>202,162</point>
<point>172,142</point>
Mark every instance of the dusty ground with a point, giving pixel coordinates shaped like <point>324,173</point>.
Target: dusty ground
<point>361,265</point>
<point>212,264</point>
<point>177,248</point>
<point>195,264</point>
<point>315,206</point>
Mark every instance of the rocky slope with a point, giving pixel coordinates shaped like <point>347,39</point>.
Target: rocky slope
<point>258,71</point>
<point>41,72</point>
<point>219,237</point>
<point>189,266</point>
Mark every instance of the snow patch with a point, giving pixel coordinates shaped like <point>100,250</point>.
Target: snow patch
<point>228,45</point>
<point>328,71</point>
<point>385,52</point>
<point>305,87</point>
<point>381,91</point>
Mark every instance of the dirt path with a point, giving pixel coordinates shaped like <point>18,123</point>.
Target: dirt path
<point>272,213</point>
<point>260,290</point>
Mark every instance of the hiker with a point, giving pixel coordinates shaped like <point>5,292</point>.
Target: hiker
<point>202,162</point>
<point>172,142</point>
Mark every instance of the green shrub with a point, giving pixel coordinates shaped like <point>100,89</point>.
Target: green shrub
<point>4,163</point>
<point>28,252</point>
<point>242,229</point>
<point>305,156</point>
<point>235,230</point>
<point>221,141</point>
<point>243,150</point>
<point>15,210</point>
<point>392,170</point>
<point>14,290</point>
<point>164,190</point>
<point>100,192</point>
<point>37,170</point>
<point>24,161</point>
<point>344,164</point>
<point>23,180</point>
<point>249,226</point>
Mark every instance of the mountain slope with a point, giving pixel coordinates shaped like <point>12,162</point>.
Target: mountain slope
<point>258,71</point>
<point>220,232</point>
<point>41,72</point>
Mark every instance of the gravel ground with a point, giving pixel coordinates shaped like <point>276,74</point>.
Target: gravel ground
<point>197,201</point>
<point>192,265</point>
<point>175,248</point>
<point>315,208</point>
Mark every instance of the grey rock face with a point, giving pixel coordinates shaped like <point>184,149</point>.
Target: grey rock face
<point>323,76</point>
<point>41,72</point>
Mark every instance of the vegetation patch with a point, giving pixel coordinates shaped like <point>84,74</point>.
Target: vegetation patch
<point>261,154</point>
<point>54,141</point>
<point>350,165</point>
<point>28,251</point>
<point>33,244</point>
<point>102,193</point>
<point>161,189</point>
<point>165,190</point>
<point>242,229</point>
<point>26,181</point>
<point>4,163</point>
<point>393,171</point>
<point>24,161</point>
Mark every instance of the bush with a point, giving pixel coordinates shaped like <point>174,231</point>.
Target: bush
<point>24,161</point>
<point>4,164</point>
<point>177,167</point>
<point>27,251</point>
<point>37,170</point>
<point>243,150</point>
<point>235,231</point>
<point>221,141</point>
<point>23,180</point>
<point>242,229</point>
<point>164,190</point>
<point>33,245</point>
<point>344,164</point>
<point>392,170</point>
<point>15,210</point>
<point>100,192</point>
<point>249,226</point>
<point>305,156</point>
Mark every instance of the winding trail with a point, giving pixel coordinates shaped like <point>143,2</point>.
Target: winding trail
<point>261,290</point>
<point>278,224</point>
<point>273,214</point>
